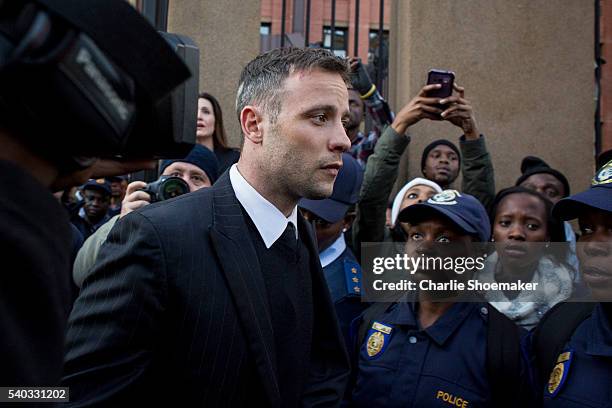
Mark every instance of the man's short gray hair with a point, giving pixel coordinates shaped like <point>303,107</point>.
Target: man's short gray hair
<point>262,79</point>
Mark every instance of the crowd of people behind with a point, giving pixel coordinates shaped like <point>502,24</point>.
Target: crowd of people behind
<point>235,279</point>
<point>363,207</point>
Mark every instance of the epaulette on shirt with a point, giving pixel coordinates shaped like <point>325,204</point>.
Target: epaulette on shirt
<point>352,276</point>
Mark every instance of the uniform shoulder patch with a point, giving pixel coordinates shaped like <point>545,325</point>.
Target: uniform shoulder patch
<point>559,373</point>
<point>352,276</point>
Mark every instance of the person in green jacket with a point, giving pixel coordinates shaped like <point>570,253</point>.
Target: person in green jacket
<point>441,163</point>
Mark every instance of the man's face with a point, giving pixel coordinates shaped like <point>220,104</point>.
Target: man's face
<point>191,174</point>
<point>96,204</point>
<point>546,184</point>
<point>594,250</point>
<point>442,165</point>
<point>356,109</point>
<point>327,233</point>
<point>302,151</point>
<point>520,218</point>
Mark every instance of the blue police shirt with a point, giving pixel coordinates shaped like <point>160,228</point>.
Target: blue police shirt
<point>401,365</point>
<point>343,276</point>
<point>582,376</point>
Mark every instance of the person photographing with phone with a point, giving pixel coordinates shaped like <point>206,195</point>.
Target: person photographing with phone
<point>441,160</point>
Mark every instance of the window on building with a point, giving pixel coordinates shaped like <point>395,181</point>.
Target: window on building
<point>340,40</point>
<point>265,37</point>
<point>265,29</point>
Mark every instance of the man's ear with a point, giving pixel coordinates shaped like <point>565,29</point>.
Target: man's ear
<point>349,218</point>
<point>251,122</point>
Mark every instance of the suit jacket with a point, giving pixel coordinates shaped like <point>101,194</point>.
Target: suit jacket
<point>176,311</point>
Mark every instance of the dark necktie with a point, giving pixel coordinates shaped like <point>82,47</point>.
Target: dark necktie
<point>288,237</point>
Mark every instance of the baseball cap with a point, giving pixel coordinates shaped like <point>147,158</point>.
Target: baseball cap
<point>463,210</point>
<point>598,196</point>
<point>100,184</point>
<point>346,192</point>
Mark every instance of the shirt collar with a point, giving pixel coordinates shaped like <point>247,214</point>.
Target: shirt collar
<point>332,253</point>
<point>443,328</point>
<point>599,341</point>
<point>269,220</point>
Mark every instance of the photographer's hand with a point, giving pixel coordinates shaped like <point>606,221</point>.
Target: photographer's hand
<point>460,113</point>
<point>420,107</point>
<point>134,198</point>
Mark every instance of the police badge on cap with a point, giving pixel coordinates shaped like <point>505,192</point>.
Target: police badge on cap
<point>604,175</point>
<point>446,197</point>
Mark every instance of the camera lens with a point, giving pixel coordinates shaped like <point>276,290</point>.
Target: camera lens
<point>173,187</point>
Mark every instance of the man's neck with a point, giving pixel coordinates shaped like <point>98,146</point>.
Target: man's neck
<point>15,152</point>
<point>261,183</point>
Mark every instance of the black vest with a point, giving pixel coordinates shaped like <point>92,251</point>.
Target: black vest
<point>285,267</point>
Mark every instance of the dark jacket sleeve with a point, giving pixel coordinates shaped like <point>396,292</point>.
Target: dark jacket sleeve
<point>477,171</point>
<point>378,180</point>
<point>114,322</point>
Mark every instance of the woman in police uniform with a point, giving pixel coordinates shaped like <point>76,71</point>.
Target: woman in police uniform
<point>573,343</point>
<point>438,354</point>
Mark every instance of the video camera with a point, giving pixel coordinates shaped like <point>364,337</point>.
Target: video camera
<point>82,79</point>
<point>166,187</point>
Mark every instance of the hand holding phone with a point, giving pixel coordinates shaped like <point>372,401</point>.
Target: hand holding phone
<point>445,79</point>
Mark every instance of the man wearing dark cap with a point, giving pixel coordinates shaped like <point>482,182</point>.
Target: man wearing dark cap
<point>537,175</point>
<point>331,218</point>
<point>199,169</point>
<point>94,213</point>
<point>573,342</point>
<point>441,160</point>
<point>424,352</point>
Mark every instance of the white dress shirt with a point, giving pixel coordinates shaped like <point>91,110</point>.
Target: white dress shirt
<point>331,253</point>
<point>269,220</point>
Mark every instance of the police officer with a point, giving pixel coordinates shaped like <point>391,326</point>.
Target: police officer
<point>331,218</point>
<point>421,352</point>
<point>573,343</point>
<point>96,202</point>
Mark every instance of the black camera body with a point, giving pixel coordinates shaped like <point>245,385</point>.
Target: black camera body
<point>165,188</point>
<point>93,78</point>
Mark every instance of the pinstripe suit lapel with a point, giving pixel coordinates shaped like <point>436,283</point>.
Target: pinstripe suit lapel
<point>236,254</point>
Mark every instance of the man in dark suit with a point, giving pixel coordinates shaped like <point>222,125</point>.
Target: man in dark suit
<point>217,297</point>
